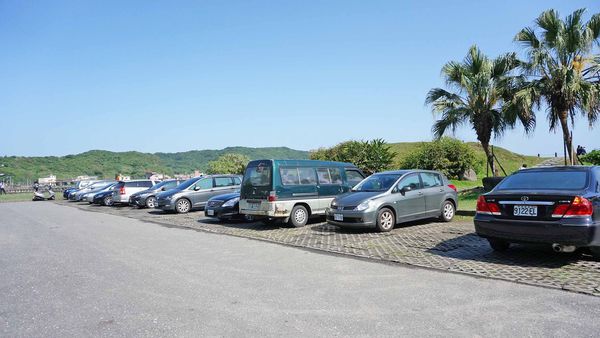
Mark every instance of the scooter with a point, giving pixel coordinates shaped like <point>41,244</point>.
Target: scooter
<point>39,196</point>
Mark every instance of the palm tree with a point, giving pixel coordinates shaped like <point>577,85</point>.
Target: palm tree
<point>483,89</point>
<point>557,53</point>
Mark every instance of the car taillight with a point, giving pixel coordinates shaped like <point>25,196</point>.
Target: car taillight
<point>488,208</point>
<point>122,190</point>
<point>580,207</point>
<point>452,186</point>
<point>272,196</point>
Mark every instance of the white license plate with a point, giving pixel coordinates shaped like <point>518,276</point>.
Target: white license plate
<point>525,210</point>
<point>338,217</point>
<point>210,212</point>
<point>253,206</point>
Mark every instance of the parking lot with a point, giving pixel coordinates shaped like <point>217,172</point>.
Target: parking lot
<point>442,246</point>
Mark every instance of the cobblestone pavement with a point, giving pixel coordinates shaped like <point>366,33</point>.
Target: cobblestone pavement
<point>443,246</point>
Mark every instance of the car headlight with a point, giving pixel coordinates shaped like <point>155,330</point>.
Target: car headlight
<point>364,205</point>
<point>334,203</point>
<point>231,202</point>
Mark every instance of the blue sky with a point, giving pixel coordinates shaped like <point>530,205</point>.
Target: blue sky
<point>174,76</point>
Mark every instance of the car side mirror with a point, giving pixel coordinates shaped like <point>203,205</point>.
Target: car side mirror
<point>163,188</point>
<point>196,188</point>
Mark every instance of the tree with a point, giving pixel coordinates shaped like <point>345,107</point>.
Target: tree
<point>593,157</point>
<point>482,97</point>
<point>370,156</point>
<point>557,52</point>
<point>450,156</point>
<point>228,164</point>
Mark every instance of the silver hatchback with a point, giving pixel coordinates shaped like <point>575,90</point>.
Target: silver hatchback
<point>385,199</point>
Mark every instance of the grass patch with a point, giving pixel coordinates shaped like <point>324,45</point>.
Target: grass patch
<point>16,197</point>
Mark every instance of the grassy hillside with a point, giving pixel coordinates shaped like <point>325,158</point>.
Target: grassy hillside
<point>106,163</point>
<point>509,160</point>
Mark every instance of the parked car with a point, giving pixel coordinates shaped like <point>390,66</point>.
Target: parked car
<point>195,192</point>
<point>124,189</point>
<point>294,190</point>
<point>89,197</point>
<point>226,207</point>
<point>385,199</point>
<point>104,198</point>
<point>147,198</point>
<point>554,205</point>
<point>67,191</point>
<point>76,195</point>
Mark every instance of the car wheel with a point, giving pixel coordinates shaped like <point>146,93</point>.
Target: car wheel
<point>151,202</point>
<point>385,220</point>
<point>299,216</point>
<point>108,201</point>
<point>448,211</point>
<point>182,206</point>
<point>498,244</point>
<point>248,218</point>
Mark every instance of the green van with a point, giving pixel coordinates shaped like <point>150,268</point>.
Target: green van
<point>294,190</point>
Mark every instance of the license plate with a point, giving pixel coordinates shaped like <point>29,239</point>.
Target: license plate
<point>253,206</point>
<point>525,210</point>
<point>210,212</point>
<point>338,217</point>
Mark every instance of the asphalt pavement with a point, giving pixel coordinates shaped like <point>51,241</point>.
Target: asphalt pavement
<point>68,272</point>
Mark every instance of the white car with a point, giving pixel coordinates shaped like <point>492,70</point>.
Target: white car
<point>124,189</point>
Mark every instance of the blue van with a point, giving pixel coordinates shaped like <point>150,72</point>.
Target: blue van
<point>294,190</point>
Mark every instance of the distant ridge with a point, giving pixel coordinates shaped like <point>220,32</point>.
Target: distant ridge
<point>106,164</point>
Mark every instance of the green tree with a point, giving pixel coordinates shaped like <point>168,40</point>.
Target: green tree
<point>593,157</point>
<point>370,156</point>
<point>450,156</point>
<point>481,87</point>
<point>557,52</point>
<point>228,164</point>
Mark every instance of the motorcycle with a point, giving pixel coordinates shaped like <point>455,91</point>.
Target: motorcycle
<point>40,196</point>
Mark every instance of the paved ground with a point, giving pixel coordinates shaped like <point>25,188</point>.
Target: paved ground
<point>444,246</point>
<point>66,272</point>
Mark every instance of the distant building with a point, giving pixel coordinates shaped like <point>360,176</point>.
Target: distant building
<point>86,178</point>
<point>156,176</point>
<point>47,180</point>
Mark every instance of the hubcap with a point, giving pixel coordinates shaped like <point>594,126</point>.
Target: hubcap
<point>386,220</point>
<point>108,201</point>
<point>182,206</point>
<point>151,202</point>
<point>448,211</point>
<point>300,216</point>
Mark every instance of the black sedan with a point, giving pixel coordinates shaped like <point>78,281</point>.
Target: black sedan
<point>104,198</point>
<point>225,207</point>
<point>559,206</point>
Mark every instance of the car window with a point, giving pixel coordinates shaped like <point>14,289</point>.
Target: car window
<point>545,180</point>
<point>336,175</point>
<point>130,184</point>
<point>223,182</point>
<point>259,176</point>
<point>431,180</point>
<point>289,176</point>
<point>307,176</point>
<point>145,184</point>
<point>323,176</point>
<point>377,182</point>
<point>354,177</point>
<point>205,183</point>
<point>237,181</point>
<point>411,181</point>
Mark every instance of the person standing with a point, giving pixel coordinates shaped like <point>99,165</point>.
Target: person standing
<point>2,190</point>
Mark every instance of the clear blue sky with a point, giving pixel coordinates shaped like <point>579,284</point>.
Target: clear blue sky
<point>174,76</point>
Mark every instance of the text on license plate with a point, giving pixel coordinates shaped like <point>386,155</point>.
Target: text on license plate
<point>210,212</point>
<point>525,210</point>
<point>253,206</point>
<point>338,217</point>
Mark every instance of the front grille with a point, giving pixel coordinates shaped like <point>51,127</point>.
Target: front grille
<point>351,207</point>
<point>215,204</point>
<point>336,207</point>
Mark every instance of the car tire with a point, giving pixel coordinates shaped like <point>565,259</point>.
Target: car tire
<point>151,202</point>
<point>108,201</point>
<point>299,216</point>
<point>448,211</point>
<point>183,206</point>
<point>385,220</point>
<point>499,245</point>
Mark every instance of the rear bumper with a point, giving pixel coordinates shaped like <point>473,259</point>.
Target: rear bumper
<point>574,231</point>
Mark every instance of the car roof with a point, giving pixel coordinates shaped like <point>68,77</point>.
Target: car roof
<point>406,171</point>
<point>559,168</point>
<point>308,162</point>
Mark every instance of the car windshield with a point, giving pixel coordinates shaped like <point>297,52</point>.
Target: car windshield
<point>159,185</point>
<point>188,183</point>
<point>259,176</point>
<point>545,180</point>
<point>377,182</point>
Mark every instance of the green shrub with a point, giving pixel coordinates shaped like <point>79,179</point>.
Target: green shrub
<point>450,156</point>
<point>370,156</point>
<point>228,164</point>
<point>593,157</point>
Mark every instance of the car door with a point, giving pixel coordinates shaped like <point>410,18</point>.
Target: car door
<point>329,185</point>
<point>409,200</point>
<point>201,191</point>
<point>434,192</point>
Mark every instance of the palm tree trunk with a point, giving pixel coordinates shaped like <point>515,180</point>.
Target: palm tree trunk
<point>564,123</point>
<point>489,157</point>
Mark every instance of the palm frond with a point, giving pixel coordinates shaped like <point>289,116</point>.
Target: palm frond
<point>551,25</point>
<point>452,119</point>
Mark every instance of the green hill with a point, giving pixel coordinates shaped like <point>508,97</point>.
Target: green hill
<point>510,161</point>
<point>107,163</point>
